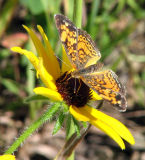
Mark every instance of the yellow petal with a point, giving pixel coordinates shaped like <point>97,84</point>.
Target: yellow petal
<point>31,56</point>
<point>53,62</point>
<point>84,114</point>
<point>45,76</point>
<point>7,157</point>
<point>66,65</point>
<point>95,96</point>
<point>80,114</point>
<point>109,131</point>
<point>53,95</point>
<point>38,65</point>
<point>116,125</point>
<point>41,51</point>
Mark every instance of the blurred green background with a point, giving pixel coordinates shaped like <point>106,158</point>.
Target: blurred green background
<point>118,29</point>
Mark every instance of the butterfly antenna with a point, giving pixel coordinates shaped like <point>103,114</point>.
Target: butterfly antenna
<point>63,61</point>
<point>75,86</point>
<point>79,85</point>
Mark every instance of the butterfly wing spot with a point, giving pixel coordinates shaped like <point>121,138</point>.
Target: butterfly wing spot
<point>63,36</point>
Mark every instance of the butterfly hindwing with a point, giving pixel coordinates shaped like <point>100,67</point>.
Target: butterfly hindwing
<point>107,85</point>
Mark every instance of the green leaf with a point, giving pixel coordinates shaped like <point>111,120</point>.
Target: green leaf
<point>65,108</point>
<point>36,6</point>
<point>84,124</point>
<point>77,127</point>
<point>35,98</point>
<point>4,53</point>
<point>133,4</point>
<point>6,14</point>
<point>137,58</point>
<point>11,85</point>
<point>51,111</point>
<point>120,6</point>
<point>59,123</point>
<point>116,63</point>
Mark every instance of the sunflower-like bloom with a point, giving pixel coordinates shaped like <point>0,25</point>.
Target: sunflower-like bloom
<point>7,157</point>
<point>59,87</point>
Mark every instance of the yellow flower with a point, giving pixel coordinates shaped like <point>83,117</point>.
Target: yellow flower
<point>7,157</point>
<point>58,87</point>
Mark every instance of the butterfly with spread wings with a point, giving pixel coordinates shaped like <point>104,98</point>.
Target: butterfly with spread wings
<point>83,55</point>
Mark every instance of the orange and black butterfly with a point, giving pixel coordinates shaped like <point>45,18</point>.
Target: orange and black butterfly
<point>83,55</point>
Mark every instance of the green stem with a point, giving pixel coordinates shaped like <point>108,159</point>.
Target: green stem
<point>33,127</point>
<point>77,16</point>
<point>69,134</point>
<point>94,11</point>
<point>31,83</point>
<point>77,19</point>
<point>30,86</point>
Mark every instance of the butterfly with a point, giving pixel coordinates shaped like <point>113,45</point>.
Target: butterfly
<point>84,55</point>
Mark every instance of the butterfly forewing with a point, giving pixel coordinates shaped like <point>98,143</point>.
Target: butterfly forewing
<point>68,35</point>
<point>78,44</point>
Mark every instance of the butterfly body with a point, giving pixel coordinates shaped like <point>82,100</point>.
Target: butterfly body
<point>83,55</point>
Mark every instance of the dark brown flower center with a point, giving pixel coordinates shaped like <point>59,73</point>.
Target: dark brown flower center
<point>73,90</point>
